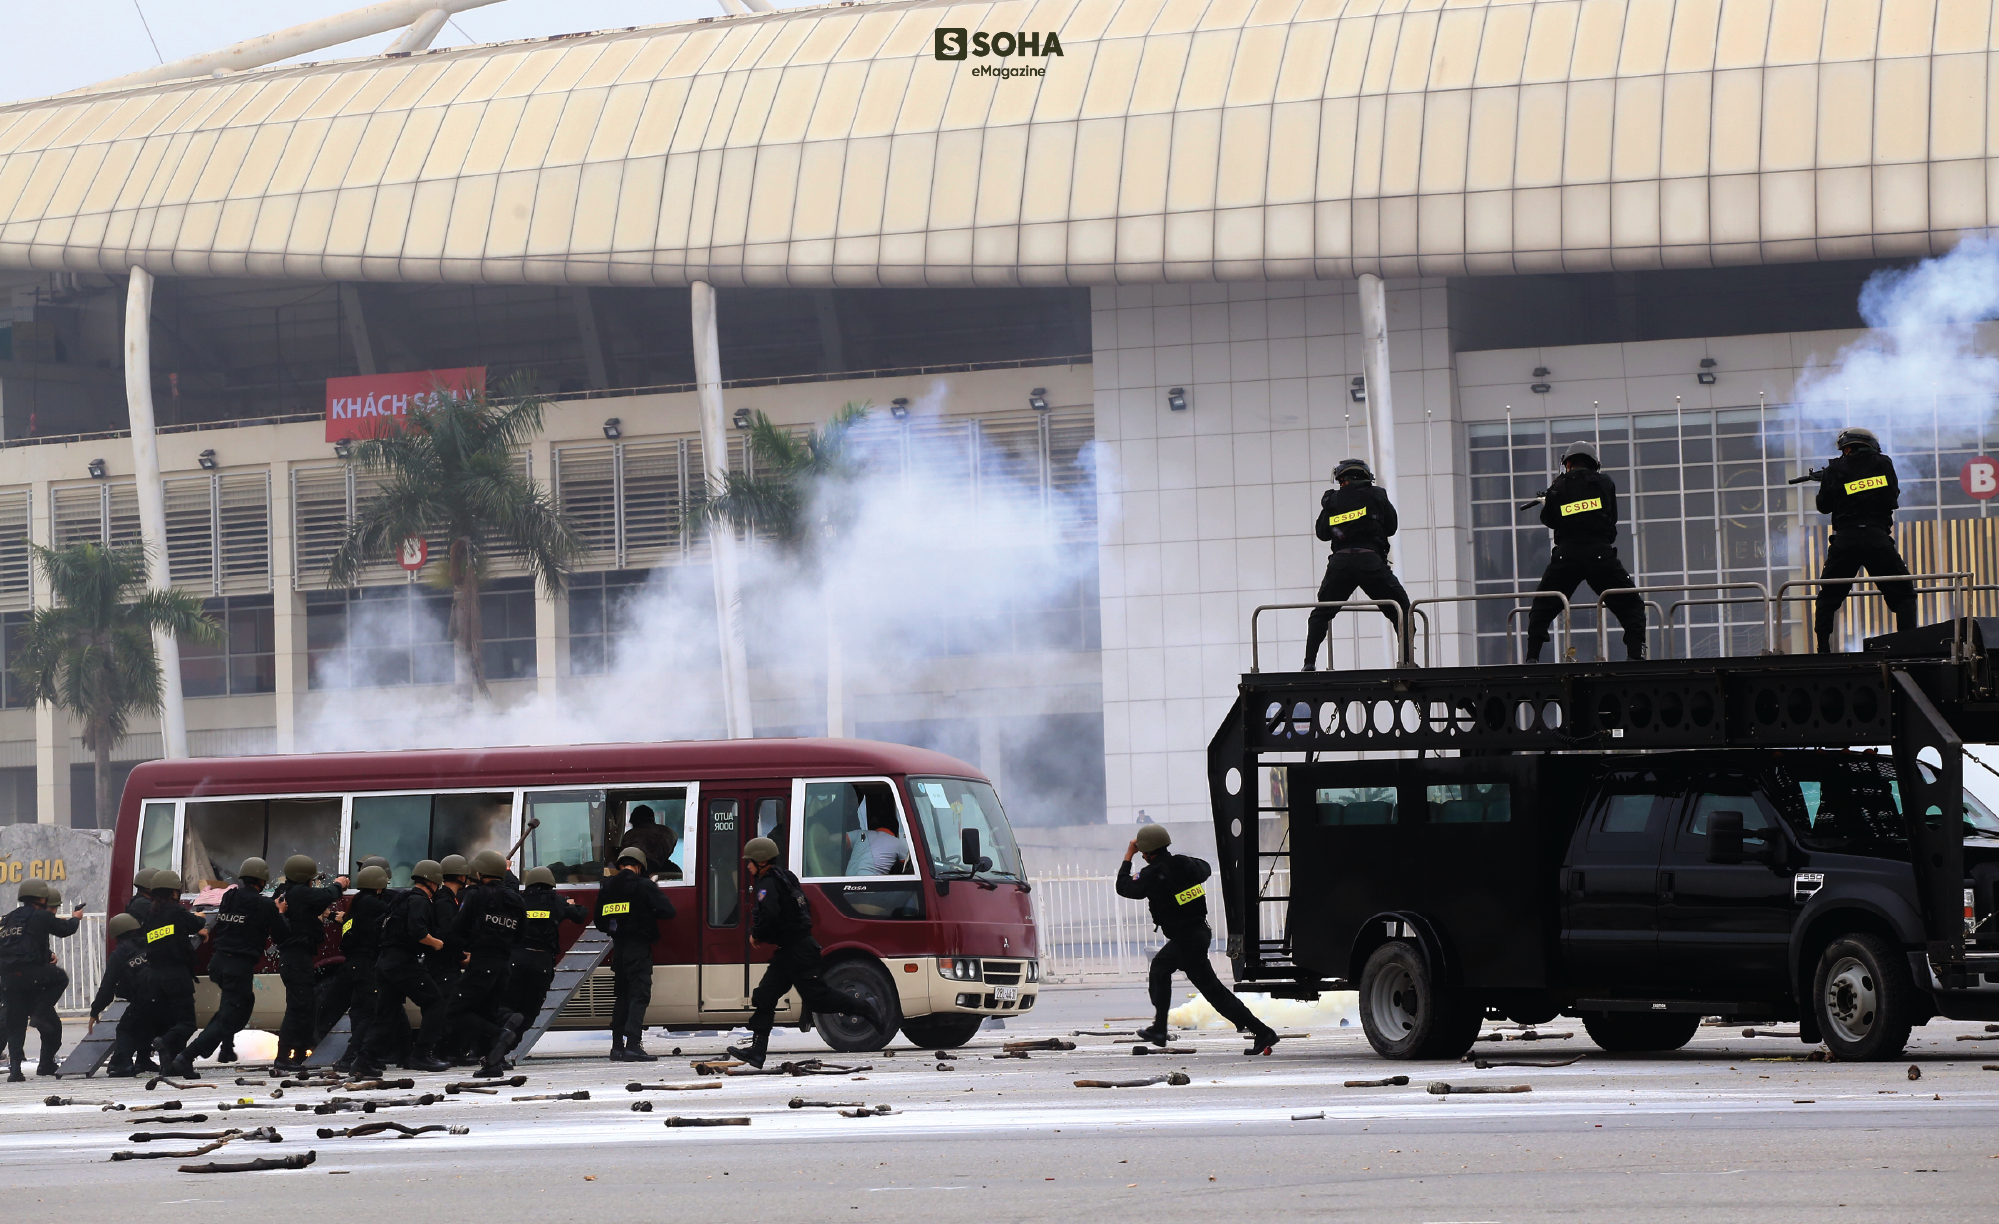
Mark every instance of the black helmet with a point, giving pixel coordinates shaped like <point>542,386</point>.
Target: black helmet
<point>1351,469</point>
<point>1582,451</point>
<point>1853,435</point>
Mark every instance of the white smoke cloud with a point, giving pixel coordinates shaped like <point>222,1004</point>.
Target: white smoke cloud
<point>1922,354</point>
<point>943,561</point>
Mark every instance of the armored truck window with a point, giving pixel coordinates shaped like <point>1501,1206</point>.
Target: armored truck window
<point>1471,803</point>
<point>1759,817</point>
<point>1355,805</point>
<point>1625,822</point>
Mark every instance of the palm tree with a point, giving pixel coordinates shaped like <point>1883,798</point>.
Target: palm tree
<point>449,474</point>
<point>91,652</point>
<point>800,497</point>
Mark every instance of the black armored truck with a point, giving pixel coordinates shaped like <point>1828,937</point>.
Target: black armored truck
<point>1637,845</point>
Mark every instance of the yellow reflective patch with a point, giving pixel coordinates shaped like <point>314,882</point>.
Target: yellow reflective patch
<point>616,907</point>
<point>1861,486</point>
<point>158,933</point>
<point>1192,894</point>
<point>1583,506</point>
<point>538,913</point>
<point>346,926</point>
<point>1348,517</point>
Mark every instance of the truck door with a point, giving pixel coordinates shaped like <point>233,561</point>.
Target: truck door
<point>730,817</point>
<point>1724,928</point>
<point>1610,888</point>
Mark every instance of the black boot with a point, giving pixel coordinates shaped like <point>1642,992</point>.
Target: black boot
<point>424,1060</point>
<point>227,1053</point>
<point>1155,1034</point>
<point>120,1068</point>
<point>754,1052</point>
<point>1261,1041</point>
<point>1634,654</point>
<point>1905,622</point>
<point>617,1046</point>
<point>14,1075</point>
<point>635,1050</point>
<point>1825,643</point>
<point>510,1035</point>
<point>48,1064</point>
<point>181,1068</point>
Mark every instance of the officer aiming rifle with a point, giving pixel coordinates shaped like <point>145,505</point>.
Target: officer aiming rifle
<point>1860,492</point>
<point>1580,508</point>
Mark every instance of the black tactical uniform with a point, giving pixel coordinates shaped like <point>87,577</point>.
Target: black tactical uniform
<point>124,978</point>
<point>491,918</point>
<point>781,916</point>
<point>401,975</point>
<point>358,980</point>
<point>1860,492</point>
<point>1580,507</point>
<point>245,922</point>
<point>170,932</point>
<point>303,1026</point>
<point>1173,886</point>
<point>27,975</point>
<point>540,948</point>
<point>629,907</point>
<point>1356,519</point>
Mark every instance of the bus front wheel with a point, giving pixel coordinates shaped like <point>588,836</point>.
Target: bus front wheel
<point>941,1030</point>
<point>856,1034</point>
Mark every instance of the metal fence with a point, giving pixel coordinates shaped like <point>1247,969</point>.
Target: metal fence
<point>82,957</point>
<point>1087,931</point>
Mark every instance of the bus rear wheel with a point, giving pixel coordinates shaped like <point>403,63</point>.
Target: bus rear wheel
<point>855,1034</point>
<point>941,1030</point>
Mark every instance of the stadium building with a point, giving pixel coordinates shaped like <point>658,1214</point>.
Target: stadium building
<point>1149,267</point>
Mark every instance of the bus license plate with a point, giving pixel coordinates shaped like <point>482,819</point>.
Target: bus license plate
<point>1006,994</point>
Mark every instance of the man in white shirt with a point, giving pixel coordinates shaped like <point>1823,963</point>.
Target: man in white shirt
<point>875,851</point>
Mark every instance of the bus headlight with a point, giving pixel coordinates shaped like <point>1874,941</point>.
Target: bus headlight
<point>1033,971</point>
<point>960,968</point>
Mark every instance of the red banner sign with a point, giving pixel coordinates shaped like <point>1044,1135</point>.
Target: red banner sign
<point>370,405</point>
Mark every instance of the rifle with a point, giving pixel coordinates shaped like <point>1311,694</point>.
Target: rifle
<point>1808,476</point>
<point>1529,505</point>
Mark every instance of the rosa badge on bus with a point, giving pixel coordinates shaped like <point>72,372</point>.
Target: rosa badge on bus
<point>415,551</point>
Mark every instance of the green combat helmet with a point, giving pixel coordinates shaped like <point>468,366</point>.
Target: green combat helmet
<point>1152,838</point>
<point>489,863</point>
<point>300,869</point>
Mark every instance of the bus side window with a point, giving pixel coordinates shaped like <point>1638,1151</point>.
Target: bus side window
<point>156,838</point>
<point>770,823</point>
<point>725,854</point>
<point>220,835</point>
<point>406,829</point>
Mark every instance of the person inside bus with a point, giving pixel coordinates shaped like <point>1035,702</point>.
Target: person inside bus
<point>781,917</point>
<point>656,840</point>
<point>246,921</point>
<point>171,935</point>
<point>27,969</point>
<point>876,850</point>
<point>401,972</point>
<point>629,907</point>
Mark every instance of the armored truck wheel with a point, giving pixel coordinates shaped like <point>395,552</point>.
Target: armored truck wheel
<point>1641,1032</point>
<point>1864,998</point>
<point>1406,1013</point>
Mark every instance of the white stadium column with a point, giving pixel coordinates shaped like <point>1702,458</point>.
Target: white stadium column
<point>1374,365</point>
<point>721,537</point>
<point>152,498</point>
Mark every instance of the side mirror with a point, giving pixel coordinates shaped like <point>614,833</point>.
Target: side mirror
<point>984,864</point>
<point>968,846</point>
<point>1724,838</point>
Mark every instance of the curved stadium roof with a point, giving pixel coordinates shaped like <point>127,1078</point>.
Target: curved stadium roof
<point>1173,140</point>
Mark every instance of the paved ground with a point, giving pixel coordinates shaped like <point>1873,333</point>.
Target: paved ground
<point>1715,1130</point>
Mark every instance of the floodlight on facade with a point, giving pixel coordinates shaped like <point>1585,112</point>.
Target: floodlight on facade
<point>1176,399</point>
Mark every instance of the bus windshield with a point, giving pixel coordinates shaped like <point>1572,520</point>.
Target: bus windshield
<point>946,807</point>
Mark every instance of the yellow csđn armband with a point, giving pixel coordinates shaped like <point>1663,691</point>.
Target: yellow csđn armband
<point>537,913</point>
<point>1192,894</point>
<point>346,926</point>
<point>158,933</point>
<point>1579,507</point>
<point>1348,517</point>
<point>617,907</point>
<point>1861,486</point>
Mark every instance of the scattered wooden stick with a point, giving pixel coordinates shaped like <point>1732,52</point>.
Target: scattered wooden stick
<point>1140,1050</point>
<point>580,1095</point>
<point>203,1150</point>
<point>1753,1032</point>
<point>1486,1064</point>
<point>680,1121</point>
<point>1978,1036</point>
<point>227,1106</point>
<point>1317,1117</point>
<point>61,1100</point>
<point>157,1080</point>
<point>171,1120</point>
<point>261,1134</point>
<point>374,1085</point>
<point>512,1081</point>
<point>716,1066</point>
<point>672,1087</point>
<point>1103,1032</point>
<point>250,1083</point>
<point>1537,1035</point>
<point>1176,1078</point>
<point>258,1165</point>
<point>402,1132</point>
<point>1045,1043</point>
<point>1440,1088</point>
<point>864,1112</point>
<point>1020,1054</point>
<point>1393,1081</point>
<point>162,1107</point>
<point>802,1103</point>
<point>455,1089</point>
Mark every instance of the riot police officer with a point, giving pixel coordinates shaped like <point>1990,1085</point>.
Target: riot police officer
<point>304,903</point>
<point>141,901</point>
<point>629,907</point>
<point>357,987</point>
<point>171,934</point>
<point>401,974</point>
<point>491,916</point>
<point>1580,507</point>
<point>781,916</point>
<point>28,971</point>
<point>447,963</point>
<point>1860,492</point>
<point>124,971</point>
<point>1174,890</point>
<point>245,922</point>
<point>1356,518</point>
<point>541,942</point>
